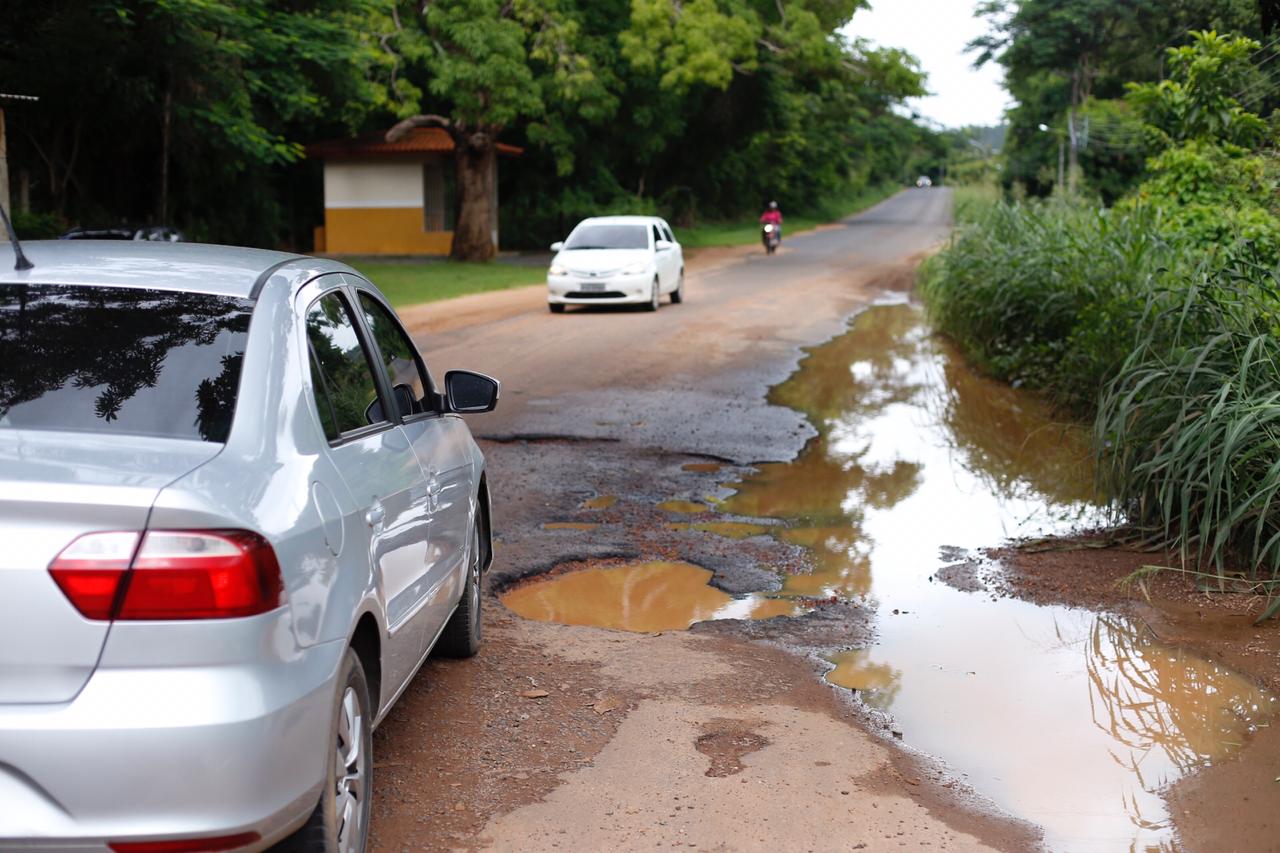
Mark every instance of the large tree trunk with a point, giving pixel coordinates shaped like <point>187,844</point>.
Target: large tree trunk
<point>475,159</point>
<point>475,155</point>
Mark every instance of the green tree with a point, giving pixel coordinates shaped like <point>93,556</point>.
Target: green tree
<point>1199,99</point>
<point>493,63</point>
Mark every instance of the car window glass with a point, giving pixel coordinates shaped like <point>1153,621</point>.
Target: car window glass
<point>398,354</point>
<point>657,235</point>
<point>666,229</point>
<point>120,360</point>
<point>608,237</point>
<point>341,374</point>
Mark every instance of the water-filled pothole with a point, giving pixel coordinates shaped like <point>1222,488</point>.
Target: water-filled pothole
<point>650,596</point>
<point>727,529</point>
<point>684,507</point>
<point>1068,718</point>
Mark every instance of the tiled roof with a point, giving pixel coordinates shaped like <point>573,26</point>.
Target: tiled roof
<point>420,140</point>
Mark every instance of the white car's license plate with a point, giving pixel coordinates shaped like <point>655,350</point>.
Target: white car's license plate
<point>592,286</point>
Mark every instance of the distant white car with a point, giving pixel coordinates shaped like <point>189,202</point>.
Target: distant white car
<point>616,260</point>
<point>924,182</point>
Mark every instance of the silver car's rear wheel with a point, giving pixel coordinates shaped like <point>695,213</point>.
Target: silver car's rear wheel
<point>351,773</point>
<point>340,822</point>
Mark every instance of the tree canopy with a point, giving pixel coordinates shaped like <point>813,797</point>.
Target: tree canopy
<point>198,111</point>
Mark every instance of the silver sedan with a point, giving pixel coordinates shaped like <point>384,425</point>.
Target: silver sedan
<point>237,514</point>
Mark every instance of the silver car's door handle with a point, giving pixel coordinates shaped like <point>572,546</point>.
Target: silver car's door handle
<point>375,515</point>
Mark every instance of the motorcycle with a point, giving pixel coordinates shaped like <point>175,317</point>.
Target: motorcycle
<point>771,236</point>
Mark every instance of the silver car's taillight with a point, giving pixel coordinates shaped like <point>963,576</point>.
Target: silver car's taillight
<point>174,574</point>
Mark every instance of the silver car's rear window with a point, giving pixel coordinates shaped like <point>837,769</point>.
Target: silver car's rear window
<point>609,237</point>
<point>120,360</point>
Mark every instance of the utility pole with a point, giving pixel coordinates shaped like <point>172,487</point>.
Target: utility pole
<point>1062,155</point>
<point>1074,137</point>
<point>4,157</point>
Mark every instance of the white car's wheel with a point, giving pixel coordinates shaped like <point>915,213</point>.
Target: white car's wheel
<point>677,295</point>
<point>655,296</point>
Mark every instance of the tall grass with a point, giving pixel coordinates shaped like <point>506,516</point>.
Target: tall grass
<point>1043,295</point>
<point>1189,428</point>
<point>1171,346</point>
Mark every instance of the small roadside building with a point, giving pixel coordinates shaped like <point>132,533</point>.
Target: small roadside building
<point>391,198</point>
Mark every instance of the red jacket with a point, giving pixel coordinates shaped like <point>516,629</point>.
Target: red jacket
<point>774,216</point>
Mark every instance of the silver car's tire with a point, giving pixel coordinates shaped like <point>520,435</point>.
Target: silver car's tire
<point>655,296</point>
<point>340,823</point>
<point>461,637</point>
<point>677,295</point>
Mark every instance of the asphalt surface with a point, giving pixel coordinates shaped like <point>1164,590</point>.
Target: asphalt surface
<point>560,737</point>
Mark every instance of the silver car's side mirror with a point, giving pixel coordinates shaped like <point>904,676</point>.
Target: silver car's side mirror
<point>557,245</point>
<point>469,393</point>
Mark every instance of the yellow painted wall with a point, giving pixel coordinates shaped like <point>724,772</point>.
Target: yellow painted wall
<point>381,231</point>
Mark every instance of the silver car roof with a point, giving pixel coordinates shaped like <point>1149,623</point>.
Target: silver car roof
<point>198,267</point>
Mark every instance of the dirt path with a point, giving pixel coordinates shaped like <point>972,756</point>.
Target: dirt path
<point>584,739</point>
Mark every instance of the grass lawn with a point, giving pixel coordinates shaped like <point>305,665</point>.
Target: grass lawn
<point>413,282</point>
<point>745,231</point>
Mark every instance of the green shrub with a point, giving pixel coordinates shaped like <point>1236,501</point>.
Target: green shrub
<point>36,226</point>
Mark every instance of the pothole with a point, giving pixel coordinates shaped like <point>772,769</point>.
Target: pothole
<point>642,597</point>
<point>684,507</point>
<point>725,743</point>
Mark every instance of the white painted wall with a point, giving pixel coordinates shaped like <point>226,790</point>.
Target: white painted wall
<point>381,183</point>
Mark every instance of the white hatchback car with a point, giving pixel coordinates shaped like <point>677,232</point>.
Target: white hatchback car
<point>616,260</point>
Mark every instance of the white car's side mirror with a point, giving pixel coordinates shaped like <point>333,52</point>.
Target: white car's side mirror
<point>663,245</point>
<point>557,245</point>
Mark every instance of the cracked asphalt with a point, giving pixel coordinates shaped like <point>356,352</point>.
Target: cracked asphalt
<point>721,738</point>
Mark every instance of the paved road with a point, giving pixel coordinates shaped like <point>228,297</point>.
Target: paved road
<point>735,335</point>
<point>572,738</point>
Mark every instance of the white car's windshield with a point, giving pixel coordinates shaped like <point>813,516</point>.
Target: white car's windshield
<point>609,237</point>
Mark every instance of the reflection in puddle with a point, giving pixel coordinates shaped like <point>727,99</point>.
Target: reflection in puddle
<point>727,529</point>
<point>683,507</point>
<point>703,467</point>
<point>601,502</point>
<point>570,525</point>
<point>641,597</point>
<point>1067,718</point>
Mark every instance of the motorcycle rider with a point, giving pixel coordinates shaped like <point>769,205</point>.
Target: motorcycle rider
<point>772,216</point>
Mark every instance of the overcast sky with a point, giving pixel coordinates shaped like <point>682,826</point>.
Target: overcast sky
<point>936,31</point>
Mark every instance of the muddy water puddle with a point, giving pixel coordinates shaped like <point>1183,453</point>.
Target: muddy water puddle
<point>1067,718</point>
<point>1070,719</point>
<point>645,597</point>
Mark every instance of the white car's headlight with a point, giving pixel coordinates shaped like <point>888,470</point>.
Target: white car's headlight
<point>557,269</point>
<point>636,268</point>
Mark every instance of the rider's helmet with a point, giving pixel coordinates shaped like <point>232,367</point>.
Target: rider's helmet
<point>773,205</point>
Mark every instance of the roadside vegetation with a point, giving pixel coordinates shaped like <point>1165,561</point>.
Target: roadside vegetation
<point>1156,315</point>
<point>197,112</point>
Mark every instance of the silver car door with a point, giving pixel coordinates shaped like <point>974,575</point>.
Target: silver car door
<point>387,535</point>
<point>442,445</point>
